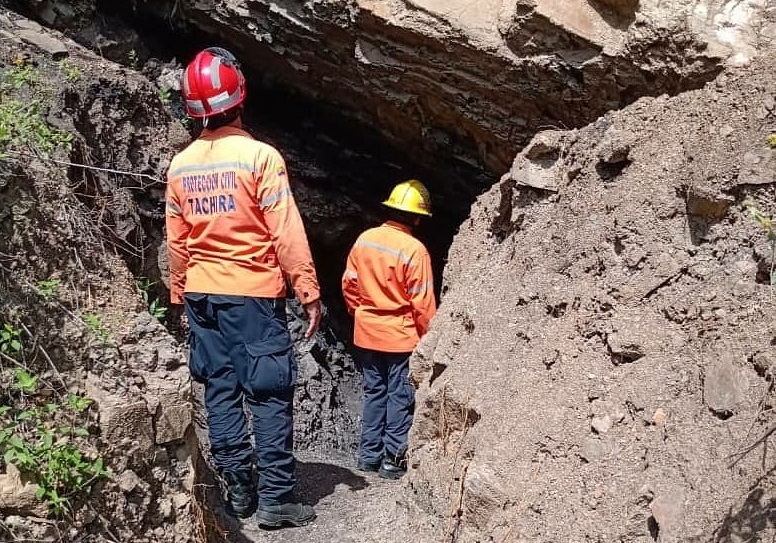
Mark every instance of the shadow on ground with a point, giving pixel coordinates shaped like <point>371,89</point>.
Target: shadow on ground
<point>751,521</point>
<point>315,481</point>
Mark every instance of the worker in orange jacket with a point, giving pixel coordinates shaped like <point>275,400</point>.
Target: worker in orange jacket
<point>389,289</point>
<point>233,233</point>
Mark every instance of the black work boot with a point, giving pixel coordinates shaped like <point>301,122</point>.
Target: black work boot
<point>393,467</point>
<point>241,496</point>
<point>275,516</point>
<point>363,465</point>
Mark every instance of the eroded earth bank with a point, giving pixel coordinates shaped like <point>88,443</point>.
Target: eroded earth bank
<point>601,366</point>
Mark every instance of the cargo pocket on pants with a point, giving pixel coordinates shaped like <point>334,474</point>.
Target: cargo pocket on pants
<point>269,369</point>
<point>197,361</point>
<point>405,395</point>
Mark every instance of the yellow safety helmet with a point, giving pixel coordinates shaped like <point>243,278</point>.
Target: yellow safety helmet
<point>411,196</point>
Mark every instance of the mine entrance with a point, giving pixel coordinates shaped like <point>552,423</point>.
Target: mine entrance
<point>341,170</point>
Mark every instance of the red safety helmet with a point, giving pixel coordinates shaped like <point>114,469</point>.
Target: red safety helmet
<point>212,83</point>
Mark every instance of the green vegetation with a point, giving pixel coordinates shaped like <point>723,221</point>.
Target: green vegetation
<point>772,141</point>
<point>94,322</point>
<point>767,225</point>
<point>165,95</point>
<point>48,288</point>
<point>47,441</point>
<point>21,124</point>
<point>155,306</point>
<point>10,340</point>
<point>21,121</point>
<point>71,71</point>
<point>19,75</point>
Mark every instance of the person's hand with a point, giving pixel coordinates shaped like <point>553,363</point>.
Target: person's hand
<point>313,311</point>
<point>184,322</point>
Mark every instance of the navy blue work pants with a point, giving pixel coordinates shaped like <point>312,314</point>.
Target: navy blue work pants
<point>242,351</point>
<point>389,403</point>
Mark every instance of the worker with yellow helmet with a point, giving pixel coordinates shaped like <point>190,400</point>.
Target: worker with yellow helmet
<point>388,287</point>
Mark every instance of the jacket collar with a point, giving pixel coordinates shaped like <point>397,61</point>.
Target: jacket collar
<point>398,226</point>
<point>222,131</point>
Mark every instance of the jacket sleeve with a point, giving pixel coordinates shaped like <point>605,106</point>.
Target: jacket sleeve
<point>350,283</point>
<point>177,235</point>
<point>420,289</point>
<point>285,226</point>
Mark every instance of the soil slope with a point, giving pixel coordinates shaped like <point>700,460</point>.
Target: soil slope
<point>603,357</point>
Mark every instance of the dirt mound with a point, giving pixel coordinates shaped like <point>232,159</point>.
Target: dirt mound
<point>601,366</point>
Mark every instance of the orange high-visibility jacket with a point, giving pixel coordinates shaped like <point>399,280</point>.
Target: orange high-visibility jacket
<point>388,286</point>
<point>232,223</point>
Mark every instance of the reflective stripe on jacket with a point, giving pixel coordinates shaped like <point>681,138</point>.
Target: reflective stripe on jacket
<point>389,288</point>
<point>232,223</point>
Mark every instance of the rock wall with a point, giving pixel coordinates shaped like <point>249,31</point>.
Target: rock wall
<point>65,220</point>
<point>92,218</point>
<point>455,82</point>
<point>601,366</point>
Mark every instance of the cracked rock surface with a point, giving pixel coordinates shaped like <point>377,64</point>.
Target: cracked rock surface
<point>597,360</point>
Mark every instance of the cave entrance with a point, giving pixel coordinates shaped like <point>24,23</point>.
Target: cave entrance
<point>341,169</point>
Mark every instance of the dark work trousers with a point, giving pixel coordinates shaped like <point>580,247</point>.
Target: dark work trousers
<point>389,402</point>
<point>242,351</point>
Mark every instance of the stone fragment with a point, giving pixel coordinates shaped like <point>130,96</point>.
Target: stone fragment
<point>546,144</point>
<point>612,152</point>
<point>705,204</point>
<point>668,510</point>
<point>180,500</point>
<point>173,417</point>
<point>125,421</point>
<point>165,508</point>
<point>485,493</point>
<point>601,424</point>
<point>634,334</point>
<point>18,496</point>
<point>605,407</point>
<point>646,495</point>
<point>624,348</point>
<point>758,167</point>
<point>595,391</point>
<point>43,41</point>
<point>27,24</point>
<point>168,358</point>
<point>594,450</point>
<point>763,362</point>
<point>660,417</point>
<point>724,386</point>
<point>128,481</point>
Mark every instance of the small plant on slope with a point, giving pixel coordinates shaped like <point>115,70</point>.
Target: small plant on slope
<point>767,224</point>
<point>10,340</point>
<point>155,306</point>
<point>47,288</point>
<point>71,71</point>
<point>21,122</point>
<point>94,322</point>
<point>47,441</point>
